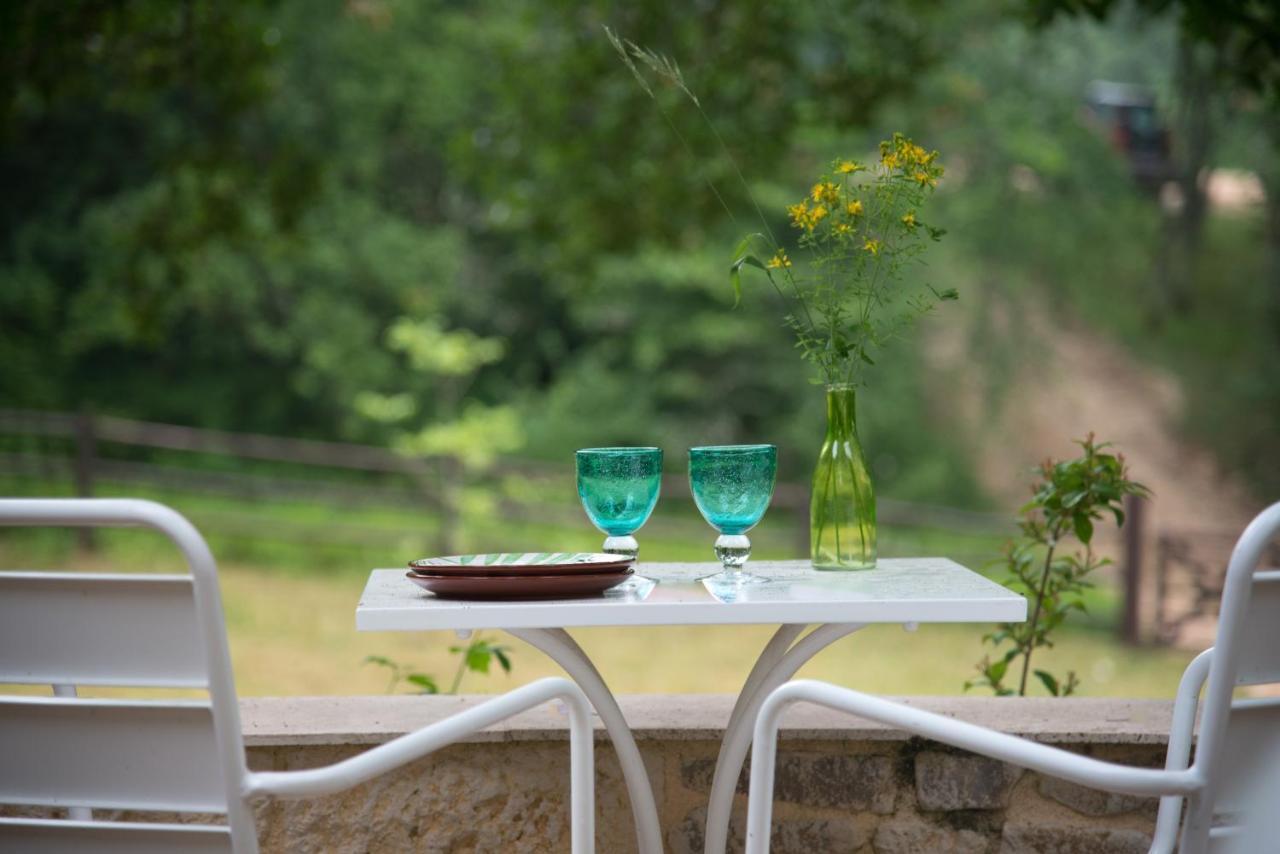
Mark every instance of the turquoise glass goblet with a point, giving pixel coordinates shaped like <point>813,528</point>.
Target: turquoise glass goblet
<point>732,486</point>
<point>619,489</point>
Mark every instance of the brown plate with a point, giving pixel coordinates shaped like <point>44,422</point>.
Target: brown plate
<point>522,564</point>
<point>519,586</point>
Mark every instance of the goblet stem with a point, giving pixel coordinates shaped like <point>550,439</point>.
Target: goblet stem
<point>733,551</point>
<point>730,584</point>
<point>626,545</point>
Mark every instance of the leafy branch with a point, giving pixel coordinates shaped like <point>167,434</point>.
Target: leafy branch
<point>1069,499</point>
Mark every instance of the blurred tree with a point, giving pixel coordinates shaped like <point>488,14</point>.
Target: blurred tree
<point>1235,43</point>
<point>219,211</point>
<point>1245,32</point>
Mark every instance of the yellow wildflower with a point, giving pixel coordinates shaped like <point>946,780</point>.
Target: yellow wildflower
<point>799,214</point>
<point>825,191</point>
<point>854,208</point>
<point>889,159</point>
<point>909,219</point>
<point>778,261</point>
<point>817,214</point>
<point>922,178</point>
<point>848,167</point>
<point>844,228</point>
<point>872,245</point>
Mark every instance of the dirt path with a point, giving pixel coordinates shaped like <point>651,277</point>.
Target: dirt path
<point>1078,382</point>
<point>1071,381</point>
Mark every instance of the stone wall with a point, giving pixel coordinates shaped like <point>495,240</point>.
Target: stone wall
<point>843,785</point>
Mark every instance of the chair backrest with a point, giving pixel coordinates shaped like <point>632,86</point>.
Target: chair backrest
<point>1238,750</point>
<point>153,631</point>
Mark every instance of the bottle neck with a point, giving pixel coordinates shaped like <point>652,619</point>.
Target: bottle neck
<point>842,416</point>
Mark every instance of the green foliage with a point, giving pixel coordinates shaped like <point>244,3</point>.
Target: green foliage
<point>223,230</point>
<point>1245,32</point>
<point>230,243</point>
<point>1071,496</point>
<point>475,657</point>
<point>425,683</point>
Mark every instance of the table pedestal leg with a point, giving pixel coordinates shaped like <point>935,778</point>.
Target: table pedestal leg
<point>564,650</point>
<point>773,651</point>
<point>771,670</point>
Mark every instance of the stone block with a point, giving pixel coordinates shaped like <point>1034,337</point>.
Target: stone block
<point>1092,802</point>
<point>911,836</point>
<point>949,781</point>
<point>859,783</point>
<point>696,774</point>
<point>1070,839</point>
<point>790,835</point>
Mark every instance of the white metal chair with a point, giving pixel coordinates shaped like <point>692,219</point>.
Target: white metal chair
<point>70,629</point>
<point>1231,789</point>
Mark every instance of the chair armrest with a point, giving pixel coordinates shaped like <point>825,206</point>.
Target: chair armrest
<point>415,745</point>
<point>1019,751</point>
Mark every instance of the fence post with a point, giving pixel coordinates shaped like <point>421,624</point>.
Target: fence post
<point>1134,523</point>
<point>86,451</point>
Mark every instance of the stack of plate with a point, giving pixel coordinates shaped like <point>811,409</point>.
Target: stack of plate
<point>532,575</point>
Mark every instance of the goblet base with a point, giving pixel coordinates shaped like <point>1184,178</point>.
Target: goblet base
<point>731,585</point>
<point>734,578</point>
<point>626,546</point>
<point>733,550</point>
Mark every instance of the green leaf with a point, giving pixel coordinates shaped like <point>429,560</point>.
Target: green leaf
<point>423,681</point>
<point>745,243</point>
<point>500,653</point>
<point>1084,527</point>
<point>378,659</point>
<point>735,274</point>
<point>1049,681</point>
<point>1071,499</point>
<point>478,658</point>
<point>742,256</point>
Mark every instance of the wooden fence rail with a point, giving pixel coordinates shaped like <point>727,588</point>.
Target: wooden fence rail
<point>88,431</point>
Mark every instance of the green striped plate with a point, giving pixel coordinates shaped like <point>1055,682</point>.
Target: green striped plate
<point>522,563</point>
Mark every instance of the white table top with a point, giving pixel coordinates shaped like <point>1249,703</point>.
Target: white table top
<point>905,590</point>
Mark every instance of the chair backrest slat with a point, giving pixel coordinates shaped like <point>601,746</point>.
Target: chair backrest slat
<point>79,629</point>
<point>1251,757</point>
<point>1259,661</point>
<point>117,754</point>
<point>35,836</point>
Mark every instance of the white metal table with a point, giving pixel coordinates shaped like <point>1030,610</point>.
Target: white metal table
<point>909,591</point>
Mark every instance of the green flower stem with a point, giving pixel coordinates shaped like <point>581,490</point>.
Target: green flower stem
<point>1035,618</point>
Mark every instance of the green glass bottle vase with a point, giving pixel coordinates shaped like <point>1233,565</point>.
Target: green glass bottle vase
<point>842,509</point>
